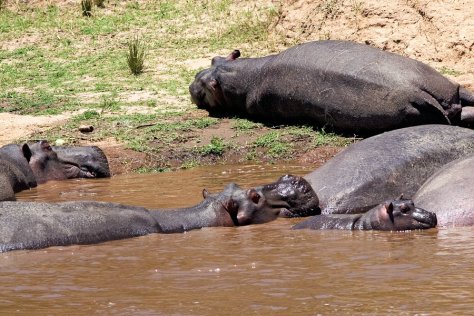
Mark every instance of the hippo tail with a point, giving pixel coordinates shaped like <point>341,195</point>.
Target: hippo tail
<point>466,97</point>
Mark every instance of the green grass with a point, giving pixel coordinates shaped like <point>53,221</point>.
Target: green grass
<point>55,60</point>
<point>136,55</point>
<point>217,146</point>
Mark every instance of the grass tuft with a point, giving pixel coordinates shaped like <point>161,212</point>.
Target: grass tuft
<point>136,56</point>
<point>86,7</point>
<point>100,3</point>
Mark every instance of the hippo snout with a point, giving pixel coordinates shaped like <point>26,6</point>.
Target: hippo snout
<point>425,218</point>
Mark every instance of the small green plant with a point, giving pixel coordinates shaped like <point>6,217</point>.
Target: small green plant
<point>100,3</point>
<point>215,147</point>
<point>87,115</point>
<point>86,7</point>
<point>448,71</point>
<point>3,3</point>
<point>136,56</point>
<point>244,125</point>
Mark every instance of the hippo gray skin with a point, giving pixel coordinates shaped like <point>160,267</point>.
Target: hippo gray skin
<point>32,225</point>
<point>23,167</point>
<point>349,86</point>
<point>380,168</point>
<point>449,193</point>
<point>396,215</point>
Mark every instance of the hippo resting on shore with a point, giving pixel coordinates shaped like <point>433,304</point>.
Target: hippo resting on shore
<point>450,193</point>
<point>379,168</point>
<point>349,86</point>
<point>32,225</point>
<point>396,215</point>
<point>23,167</point>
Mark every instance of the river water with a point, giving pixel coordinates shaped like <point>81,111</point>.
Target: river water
<point>254,270</point>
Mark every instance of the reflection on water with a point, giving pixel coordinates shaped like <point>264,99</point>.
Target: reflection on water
<point>262,269</point>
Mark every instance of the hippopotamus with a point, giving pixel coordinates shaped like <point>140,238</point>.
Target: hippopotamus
<point>449,192</point>
<point>350,86</point>
<point>379,168</point>
<point>23,167</point>
<point>395,215</point>
<point>33,225</point>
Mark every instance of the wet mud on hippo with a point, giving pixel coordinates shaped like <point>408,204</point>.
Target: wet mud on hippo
<point>450,193</point>
<point>349,86</point>
<point>396,215</point>
<point>32,225</point>
<point>26,166</point>
<point>381,168</point>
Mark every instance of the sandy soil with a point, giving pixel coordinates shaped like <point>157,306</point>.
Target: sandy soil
<point>439,33</point>
<point>14,127</point>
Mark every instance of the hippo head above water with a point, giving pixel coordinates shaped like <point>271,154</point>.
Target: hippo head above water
<point>394,215</point>
<point>245,207</point>
<point>67,163</point>
<point>398,215</point>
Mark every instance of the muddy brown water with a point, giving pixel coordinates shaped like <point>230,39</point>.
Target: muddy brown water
<point>255,270</point>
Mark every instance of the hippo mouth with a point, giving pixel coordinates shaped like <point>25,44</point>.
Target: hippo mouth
<point>424,218</point>
<point>75,171</point>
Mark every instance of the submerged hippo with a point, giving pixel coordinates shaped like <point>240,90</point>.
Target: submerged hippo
<point>350,86</point>
<point>396,215</point>
<point>23,167</point>
<point>450,193</point>
<point>380,168</point>
<point>31,225</point>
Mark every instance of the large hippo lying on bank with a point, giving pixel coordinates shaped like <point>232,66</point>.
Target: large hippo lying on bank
<point>30,225</point>
<point>23,167</point>
<point>450,193</point>
<point>380,168</point>
<point>350,86</point>
<point>395,215</point>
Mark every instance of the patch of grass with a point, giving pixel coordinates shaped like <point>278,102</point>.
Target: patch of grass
<point>153,169</point>
<point>86,116</point>
<point>38,102</point>
<point>216,147</point>
<point>3,4</point>
<point>189,164</point>
<point>245,125</point>
<point>274,143</point>
<point>450,71</point>
<point>100,3</point>
<point>136,55</point>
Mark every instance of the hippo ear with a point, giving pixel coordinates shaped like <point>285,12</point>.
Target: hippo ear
<point>234,55</point>
<point>26,152</point>
<point>205,193</point>
<point>213,84</point>
<point>389,209</point>
<point>400,197</point>
<point>253,195</point>
<point>233,209</point>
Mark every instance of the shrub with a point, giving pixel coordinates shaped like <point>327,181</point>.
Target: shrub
<point>86,7</point>
<point>136,56</point>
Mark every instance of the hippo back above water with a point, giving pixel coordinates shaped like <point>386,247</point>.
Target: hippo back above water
<point>384,166</point>
<point>350,86</point>
<point>376,169</point>
<point>450,193</point>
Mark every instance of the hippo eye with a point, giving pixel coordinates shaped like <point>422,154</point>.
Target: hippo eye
<point>404,209</point>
